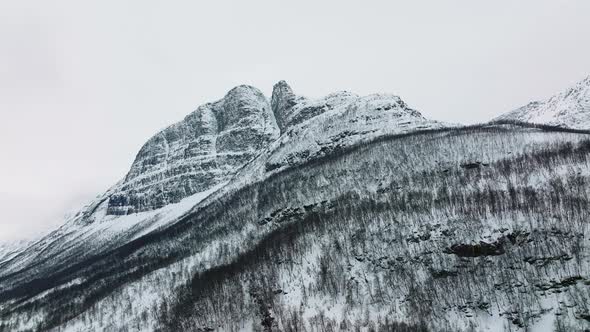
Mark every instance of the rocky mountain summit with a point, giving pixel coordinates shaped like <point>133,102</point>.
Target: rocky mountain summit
<point>570,109</point>
<point>203,150</point>
<point>212,143</point>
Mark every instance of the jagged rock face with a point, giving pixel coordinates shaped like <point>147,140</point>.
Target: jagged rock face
<point>570,109</point>
<point>203,150</point>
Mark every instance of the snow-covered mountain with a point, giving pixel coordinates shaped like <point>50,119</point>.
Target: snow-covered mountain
<point>186,162</point>
<point>344,212</point>
<point>203,150</point>
<point>570,109</point>
<point>172,172</point>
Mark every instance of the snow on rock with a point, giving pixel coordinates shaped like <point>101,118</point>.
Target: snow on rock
<point>203,150</point>
<point>94,232</point>
<point>570,109</point>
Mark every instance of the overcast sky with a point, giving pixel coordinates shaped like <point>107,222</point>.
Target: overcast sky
<point>83,84</point>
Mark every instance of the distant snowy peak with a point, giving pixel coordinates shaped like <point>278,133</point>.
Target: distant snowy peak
<point>570,109</point>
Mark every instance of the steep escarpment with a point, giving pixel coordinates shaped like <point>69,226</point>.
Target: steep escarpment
<point>212,143</point>
<point>283,103</point>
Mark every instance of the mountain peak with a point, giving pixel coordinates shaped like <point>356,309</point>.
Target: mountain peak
<point>282,84</point>
<point>198,153</point>
<point>243,89</point>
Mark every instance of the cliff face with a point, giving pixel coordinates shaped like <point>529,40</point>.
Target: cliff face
<point>203,150</point>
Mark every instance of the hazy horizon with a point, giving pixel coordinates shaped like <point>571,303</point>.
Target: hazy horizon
<point>83,86</point>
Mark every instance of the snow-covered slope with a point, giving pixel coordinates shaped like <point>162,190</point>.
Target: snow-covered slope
<point>570,109</point>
